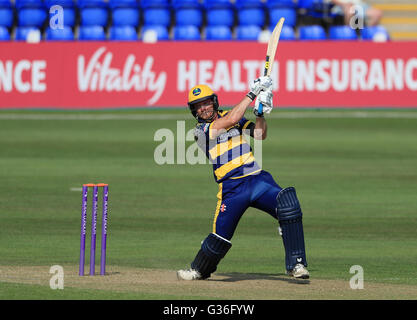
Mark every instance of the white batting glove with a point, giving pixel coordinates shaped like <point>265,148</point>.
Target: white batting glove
<point>259,84</point>
<point>264,99</point>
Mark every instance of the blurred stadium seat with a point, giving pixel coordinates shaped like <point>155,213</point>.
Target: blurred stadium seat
<point>125,12</point>
<point>161,32</point>
<point>289,14</point>
<point>307,4</point>
<point>189,32</point>
<point>342,33</point>
<point>287,33</point>
<point>6,14</point>
<point>250,12</point>
<point>91,33</point>
<point>123,33</point>
<point>30,13</point>
<point>59,34</point>
<point>220,17</point>
<point>93,12</point>
<point>4,34</point>
<point>188,16</point>
<point>253,16</point>
<point>282,8</point>
<point>219,13</point>
<point>376,33</point>
<point>156,12</point>
<point>314,32</point>
<point>23,33</point>
<point>218,33</point>
<point>188,12</point>
<point>246,32</point>
<point>157,16</point>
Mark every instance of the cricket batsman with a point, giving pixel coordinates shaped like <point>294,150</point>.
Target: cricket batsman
<point>242,183</point>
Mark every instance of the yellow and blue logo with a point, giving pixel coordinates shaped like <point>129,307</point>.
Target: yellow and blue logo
<point>196,91</point>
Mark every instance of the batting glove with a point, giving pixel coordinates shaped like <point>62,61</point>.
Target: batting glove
<point>264,98</point>
<point>257,85</point>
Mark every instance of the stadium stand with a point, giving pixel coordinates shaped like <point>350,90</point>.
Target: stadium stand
<point>250,13</point>
<point>375,33</point>
<point>399,18</point>
<point>212,19</point>
<point>94,32</point>
<point>317,12</point>
<point>188,12</point>
<point>218,32</point>
<point>65,34</point>
<point>30,34</point>
<point>6,14</point>
<point>186,32</point>
<point>30,13</point>
<point>248,32</point>
<point>342,33</point>
<point>156,12</point>
<point>93,13</point>
<point>313,32</point>
<point>124,13</point>
<point>219,13</point>
<point>123,33</point>
<point>4,34</point>
<point>282,8</point>
<point>158,31</point>
<point>355,10</point>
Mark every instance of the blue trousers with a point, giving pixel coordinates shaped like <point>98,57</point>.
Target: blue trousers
<point>237,195</point>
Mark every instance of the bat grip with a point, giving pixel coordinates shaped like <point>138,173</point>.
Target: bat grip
<point>260,109</point>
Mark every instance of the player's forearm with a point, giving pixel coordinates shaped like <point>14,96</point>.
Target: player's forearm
<point>260,129</point>
<point>233,116</point>
<point>237,113</point>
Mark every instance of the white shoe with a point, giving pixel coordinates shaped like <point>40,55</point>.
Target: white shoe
<point>189,274</point>
<point>299,272</point>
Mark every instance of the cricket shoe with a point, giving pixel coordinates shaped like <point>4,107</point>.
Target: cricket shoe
<point>189,274</point>
<point>299,272</point>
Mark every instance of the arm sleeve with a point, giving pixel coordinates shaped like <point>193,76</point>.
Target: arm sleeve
<point>246,124</point>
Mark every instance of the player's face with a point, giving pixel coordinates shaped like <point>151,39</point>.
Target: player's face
<point>205,109</point>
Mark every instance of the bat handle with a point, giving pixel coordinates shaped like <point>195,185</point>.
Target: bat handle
<point>260,109</point>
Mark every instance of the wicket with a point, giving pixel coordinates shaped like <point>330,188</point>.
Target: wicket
<point>94,227</point>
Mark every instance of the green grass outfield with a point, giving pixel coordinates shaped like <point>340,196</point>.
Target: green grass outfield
<point>355,173</point>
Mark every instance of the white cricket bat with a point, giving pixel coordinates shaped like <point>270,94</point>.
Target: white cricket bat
<point>272,49</point>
